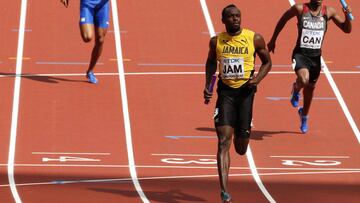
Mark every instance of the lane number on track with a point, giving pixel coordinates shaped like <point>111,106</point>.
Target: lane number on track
<point>312,163</point>
<point>183,161</point>
<point>69,159</point>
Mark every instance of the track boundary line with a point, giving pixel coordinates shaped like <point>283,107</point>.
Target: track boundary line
<point>61,182</point>
<point>131,160</point>
<point>148,73</point>
<point>178,167</point>
<point>248,154</point>
<point>16,101</point>
<point>341,100</point>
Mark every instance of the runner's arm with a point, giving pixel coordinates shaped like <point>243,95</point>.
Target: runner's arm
<point>264,56</point>
<point>210,68</point>
<point>290,13</point>
<point>343,24</point>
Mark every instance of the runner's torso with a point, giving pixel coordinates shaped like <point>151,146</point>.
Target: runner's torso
<point>236,56</point>
<point>311,31</point>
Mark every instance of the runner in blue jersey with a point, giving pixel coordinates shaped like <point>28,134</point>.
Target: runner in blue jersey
<point>94,22</point>
<point>312,25</point>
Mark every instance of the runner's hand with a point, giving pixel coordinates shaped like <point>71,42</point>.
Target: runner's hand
<point>65,2</point>
<point>347,10</point>
<point>207,94</point>
<point>271,46</point>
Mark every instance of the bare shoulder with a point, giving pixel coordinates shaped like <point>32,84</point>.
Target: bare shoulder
<point>213,41</point>
<point>259,41</point>
<point>330,11</point>
<point>297,8</point>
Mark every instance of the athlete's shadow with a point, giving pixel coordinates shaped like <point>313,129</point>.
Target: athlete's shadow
<point>43,78</point>
<point>256,134</point>
<point>170,196</point>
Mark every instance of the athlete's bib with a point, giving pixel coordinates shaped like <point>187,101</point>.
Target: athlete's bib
<point>311,39</point>
<point>232,68</point>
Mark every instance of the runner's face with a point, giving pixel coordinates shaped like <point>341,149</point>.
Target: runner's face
<point>232,20</point>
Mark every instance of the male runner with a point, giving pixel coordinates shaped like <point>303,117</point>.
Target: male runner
<point>235,52</point>
<point>312,25</point>
<point>94,22</point>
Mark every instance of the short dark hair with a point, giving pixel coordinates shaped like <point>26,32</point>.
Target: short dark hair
<point>228,6</point>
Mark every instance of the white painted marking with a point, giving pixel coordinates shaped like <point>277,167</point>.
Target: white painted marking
<point>341,100</point>
<point>175,167</point>
<point>69,159</point>
<point>248,154</point>
<point>174,177</point>
<point>129,146</point>
<point>16,100</point>
<point>72,153</point>
<point>256,175</point>
<point>313,163</point>
<point>184,155</point>
<point>153,73</point>
<point>207,18</point>
<point>183,161</point>
<point>311,157</point>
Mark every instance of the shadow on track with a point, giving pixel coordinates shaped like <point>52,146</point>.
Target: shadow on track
<point>43,78</point>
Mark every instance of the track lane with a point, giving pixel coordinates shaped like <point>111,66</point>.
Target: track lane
<point>327,137</point>
<point>68,116</point>
<point>8,41</point>
<point>155,115</point>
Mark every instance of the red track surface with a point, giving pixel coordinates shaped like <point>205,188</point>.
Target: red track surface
<point>66,116</point>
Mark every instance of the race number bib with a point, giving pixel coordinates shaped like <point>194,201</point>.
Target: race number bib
<point>232,68</point>
<point>311,39</point>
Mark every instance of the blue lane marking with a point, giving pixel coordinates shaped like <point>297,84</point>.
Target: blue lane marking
<point>288,98</point>
<point>176,137</point>
<point>64,63</point>
<point>59,182</point>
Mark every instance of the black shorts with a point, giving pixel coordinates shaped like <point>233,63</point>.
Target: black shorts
<point>234,106</point>
<point>313,64</point>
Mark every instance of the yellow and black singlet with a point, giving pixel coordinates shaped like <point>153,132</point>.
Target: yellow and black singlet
<point>236,56</point>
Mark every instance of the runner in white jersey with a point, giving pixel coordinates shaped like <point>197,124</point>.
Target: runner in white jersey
<point>312,25</point>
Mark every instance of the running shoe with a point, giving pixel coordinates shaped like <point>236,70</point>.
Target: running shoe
<point>295,97</point>
<point>225,197</point>
<point>303,120</point>
<point>91,77</point>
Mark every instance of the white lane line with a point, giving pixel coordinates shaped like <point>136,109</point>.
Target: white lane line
<point>179,167</point>
<point>341,100</point>
<point>310,157</point>
<point>16,100</point>
<point>248,154</point>
<point>58,182</point>
<point>183,155</point>
<point>151,73</point>
<point>71,153</point>
<point>124,102</point>
<point>256,175</point>
<point>338,95</point>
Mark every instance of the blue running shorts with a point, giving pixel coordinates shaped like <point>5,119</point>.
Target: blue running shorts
<point>95,12</point>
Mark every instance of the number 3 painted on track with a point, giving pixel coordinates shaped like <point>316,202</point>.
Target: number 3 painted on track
<point>314,163</point>
<point>182,161</point>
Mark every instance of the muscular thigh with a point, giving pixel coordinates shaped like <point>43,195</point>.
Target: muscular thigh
<point>311,64</point>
